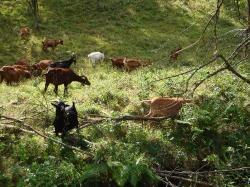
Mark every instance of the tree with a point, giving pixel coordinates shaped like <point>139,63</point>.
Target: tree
<point>33,7</point>
<point>231,61</point>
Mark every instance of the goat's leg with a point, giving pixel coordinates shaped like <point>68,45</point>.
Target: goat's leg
<point>150,114</point>
<point>56,89</point>
<point>65,89</point>
<point>93,63</point>
<point>46,86</point>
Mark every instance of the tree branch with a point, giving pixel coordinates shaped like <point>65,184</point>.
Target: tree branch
<point>21,122</point>
<point>231,69</point>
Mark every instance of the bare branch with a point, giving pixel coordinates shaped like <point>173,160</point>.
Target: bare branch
<point>122,118</point>
<point>21,122</point>
<point>205,29</point>
<point>230,68</point>
<point>204,172</point>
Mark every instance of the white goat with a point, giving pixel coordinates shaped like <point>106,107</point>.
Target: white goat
<point>95,56</point>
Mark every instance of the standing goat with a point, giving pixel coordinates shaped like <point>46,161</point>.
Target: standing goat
<point>52,43</point>
<point>118,62</point>
<point>66,118</point>
<point>58,76</point>
<point>64,63</point>
<point>95,56</point>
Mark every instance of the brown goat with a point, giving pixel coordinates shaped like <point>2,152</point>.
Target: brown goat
<point>11,74</point>
<point>165,106</point>
<point>132,64</point>
<point>22,62</point>
<point>174,54</point>
<point>27,68</point>
<point>43,64</point>
<point>38,68</point>
<point>52,43</point>
<point>65,76</point>
<point>118,62</point>
<point>24,32</point>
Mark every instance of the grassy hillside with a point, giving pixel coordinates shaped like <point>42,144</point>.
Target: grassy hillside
<point>213,134</point>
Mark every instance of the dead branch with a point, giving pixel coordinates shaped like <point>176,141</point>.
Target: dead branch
<point>216,18</point>
<point>21,122</point>
<point>197,84</point>
<point>205,28</point>
<point>92,122</point>
<point>186,179</point>
<point>4,125</point>
<point>231,69</point>
<point>203,172</point>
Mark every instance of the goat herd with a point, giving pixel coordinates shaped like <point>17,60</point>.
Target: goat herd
<point>59,72</point>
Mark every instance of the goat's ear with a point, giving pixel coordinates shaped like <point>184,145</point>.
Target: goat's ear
<point>73,104</point>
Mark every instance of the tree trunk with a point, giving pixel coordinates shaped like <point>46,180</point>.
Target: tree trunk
<point>248,5</point>
<point>33,6</point>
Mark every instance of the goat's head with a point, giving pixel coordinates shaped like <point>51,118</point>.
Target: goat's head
<point>27,74</point>
<point>60,106</point>
<point>85,80</point>
<point>73,57</point>
<point>60,42</point>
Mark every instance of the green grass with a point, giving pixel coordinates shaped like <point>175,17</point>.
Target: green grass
<point>215,134</point>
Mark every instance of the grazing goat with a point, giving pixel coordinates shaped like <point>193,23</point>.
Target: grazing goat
<point>118,62</point>
<point>165,106</point>
<point>38,68</point>
<point>64,63</point>
<point>174,54</point>
<point>24,32</point>
<point>132,64</point>
<point>66,118</point>
<point>58,76</point>
<point>95,56</point>
<point>11,74</point>
<point>43,64</point>
<point>27,68</point>
<point>52,43</point>
<point>22,62</point>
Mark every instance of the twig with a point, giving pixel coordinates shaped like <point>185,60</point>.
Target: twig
<point>230,68</point>
<point>205,29</point>
<point>187,180</point>
<point>197,84</point>
<point>204,172</point>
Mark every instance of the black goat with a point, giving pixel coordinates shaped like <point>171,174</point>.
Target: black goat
<point>66,118</point>
<point>64,63</point>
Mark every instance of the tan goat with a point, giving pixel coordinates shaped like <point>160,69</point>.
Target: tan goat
<point>165,106</point>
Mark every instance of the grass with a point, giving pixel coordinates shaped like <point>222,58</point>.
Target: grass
<point>216,130</point>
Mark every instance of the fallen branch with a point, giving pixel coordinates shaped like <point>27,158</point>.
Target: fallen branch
<point>14,127</point>
<point>44,136</point>
<point>186,179</point>
<point>88,123</point>
<point>203,172</point>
